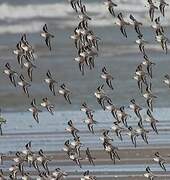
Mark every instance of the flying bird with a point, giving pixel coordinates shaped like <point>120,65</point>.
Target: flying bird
<point>122,23</point>
<point>110,6</point>
<point>11,73</point>
<point>47,36</point>
<point>160,160</point>
<point>47,104</point>
<point>65,92</point>
<point>107,76</point>
<point>152,8</point>
<point>24,84</point>
<point>34,110</point>
<point>50,81</point>
<point>162,6</point>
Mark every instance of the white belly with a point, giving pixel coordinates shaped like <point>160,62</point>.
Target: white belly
<point>108,148</point>
<point>114,128</point>
<point>139,73</point>
<point>16,52</point>
<point>144,63</point>
<point>40,159</point>
<point>77,59</point>
<point>47,80</point>
<point>20,83</point>
<point>43,35</point>
<point>146,95</point>
<point>109,108</point>
<point>25,48</point>
<point>11,169</point>
<point>136,78</point>
<point>6,71</point>
<point>61,92</point>
<point>103,76</point>
<point>26,64</point>
<point>166,81</point>
<point>65,149</point>
<point>156,159</point>
<point>72,157</point>
<point>90,37</point>
<point>132,106</point>
<point>148,119</point>
<point>138,41</point>
<point>73,37</point>
<point>16,160</point>
<point>87,121</point>
<point>101,138</point>
<point>68,129</point>
<point>31,109</point>
<point>147,175</point>
<point>97,95</point>
<point>73,143</point>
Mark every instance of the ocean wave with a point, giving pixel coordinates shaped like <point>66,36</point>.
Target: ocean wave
<point>9,11</point>
<point>98,11</point>
<point>27,27</point>
<point>60,9</point>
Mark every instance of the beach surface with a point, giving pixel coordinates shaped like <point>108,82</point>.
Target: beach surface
<point>50,136</point>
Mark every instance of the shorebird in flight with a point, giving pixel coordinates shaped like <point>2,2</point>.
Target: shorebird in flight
<point>110,6</point>
<point>136,25</point>
<point>87,176</point>
<point>149,174</point>
<point>47,36</point>
<point>162,6</point>
<point>148,63</point>
<point>122,23</point>
<point>50,81</point>
<point>30,66</point>
<point>107,76</point>
<point>75,4</point>
<point>11,73</point>
<point>89,157</point>
<point>167,80</point>
<point>24,84</point>
<point>65,92</point>
<point>34,110</point>
<point>152,9</point>
<point>152,121</point>
<point>160,160</point>
<point>72,129</point>
<point>47,104</point>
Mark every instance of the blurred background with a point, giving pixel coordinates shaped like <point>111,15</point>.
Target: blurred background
<point>118,54</point>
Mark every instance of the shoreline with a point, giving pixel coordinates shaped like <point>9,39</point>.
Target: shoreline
<point>137,159</point>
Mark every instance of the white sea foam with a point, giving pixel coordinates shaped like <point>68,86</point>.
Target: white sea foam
<point>55,10</point>
<point>97,10</point>
<point>64,9</point>
<point>28,27</point>
<point>30,11</point>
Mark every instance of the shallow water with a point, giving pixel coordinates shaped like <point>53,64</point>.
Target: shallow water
<point>64,69</point>
<point>50,133</point>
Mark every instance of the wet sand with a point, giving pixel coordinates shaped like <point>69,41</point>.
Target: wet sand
<point>50,135</point>
<point>131,166</point>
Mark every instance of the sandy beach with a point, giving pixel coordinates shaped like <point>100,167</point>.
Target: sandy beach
<point>133,161</point>
<point>129,167</point>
